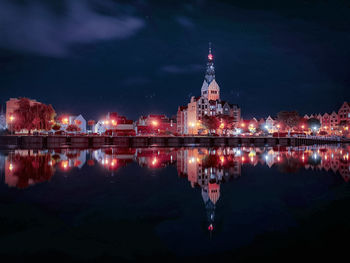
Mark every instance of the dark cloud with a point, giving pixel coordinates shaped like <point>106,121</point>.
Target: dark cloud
<point>37,29</point>
<point>185,22</point>
<point>269,55</point>
<point>182,69</point>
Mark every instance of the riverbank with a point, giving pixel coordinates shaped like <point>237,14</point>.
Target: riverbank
<point>42,142</point>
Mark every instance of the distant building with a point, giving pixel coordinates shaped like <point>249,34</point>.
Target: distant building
<point>99,127</point>
<point>78,121</point>
<point>326,121</point>
<point>156,123</point>
<point>270,123</point>
<point>334,120</point>
<point>115,124</point>
<point>344,113</point>
<point>208,104</point>
<point>181,119</point>
<point>2,120</point>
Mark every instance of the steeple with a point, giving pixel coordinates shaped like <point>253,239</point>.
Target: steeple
<point>210,89</point>
<point>210,72</point>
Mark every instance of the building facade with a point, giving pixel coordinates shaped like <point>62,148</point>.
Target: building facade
<point>189,117</point>
<point>156,124</point>
<point>344,113</point>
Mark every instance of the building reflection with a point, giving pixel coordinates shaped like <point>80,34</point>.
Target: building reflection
<point>113,159</point>
<point>26,167</point>
<point>204,168</point>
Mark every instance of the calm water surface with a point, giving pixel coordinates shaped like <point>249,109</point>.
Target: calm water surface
<point>188,204</point>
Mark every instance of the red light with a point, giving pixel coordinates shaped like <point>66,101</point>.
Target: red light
<point>64,164</point>
<point>210,57</point>
<point>65,120</point>
<point>210,227</point>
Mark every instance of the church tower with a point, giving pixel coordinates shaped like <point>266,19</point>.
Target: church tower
<point>210,89</point>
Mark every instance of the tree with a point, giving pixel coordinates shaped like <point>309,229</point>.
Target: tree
<point>314,124</point>
<point>36,116</point>
<point>302,124</point>
<point>211,123</point>
<point>288,118</point>
<point>56,127</point>
<point>226,123</point>
<point>73,128</point>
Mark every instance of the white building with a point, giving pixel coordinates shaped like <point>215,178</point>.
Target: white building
<point>2,120</point>
<point>79,121</point>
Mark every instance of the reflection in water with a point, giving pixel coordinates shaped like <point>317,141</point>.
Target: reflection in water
<point>203,167</point>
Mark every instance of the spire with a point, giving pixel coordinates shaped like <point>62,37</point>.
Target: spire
<point>210,72</point>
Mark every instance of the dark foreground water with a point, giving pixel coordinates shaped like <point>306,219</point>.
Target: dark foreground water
<point>188,204</point>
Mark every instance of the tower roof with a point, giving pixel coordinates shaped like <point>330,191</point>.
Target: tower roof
<point>210,71</point>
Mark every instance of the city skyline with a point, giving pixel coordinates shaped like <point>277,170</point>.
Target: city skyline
<point>174,131</point>
<point>303,59</point>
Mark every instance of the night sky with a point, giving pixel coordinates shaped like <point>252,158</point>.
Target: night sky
<point>141,57</point>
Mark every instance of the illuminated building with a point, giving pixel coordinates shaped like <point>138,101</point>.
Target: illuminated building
<point>156,123</point>
<point>344,113</point>
<point>2,120</point>
<point>115,124</point>
<point>208,104</point>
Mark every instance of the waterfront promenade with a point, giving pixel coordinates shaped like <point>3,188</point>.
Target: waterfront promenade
<point>41,142</point>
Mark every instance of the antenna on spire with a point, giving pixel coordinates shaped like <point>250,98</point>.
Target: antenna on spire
<point>210,56</point>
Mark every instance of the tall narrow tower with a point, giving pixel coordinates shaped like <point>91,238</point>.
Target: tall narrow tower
<point>210,89</point>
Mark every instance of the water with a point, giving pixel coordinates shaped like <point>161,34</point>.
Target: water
<point>175,204</point>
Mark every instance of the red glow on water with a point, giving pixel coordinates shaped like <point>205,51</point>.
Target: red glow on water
<point>210,227</point>
<point>77,163</point>
<point>154,161</point>
<point>91,162</point>
<point>64,164</point>
<point>210,57</point>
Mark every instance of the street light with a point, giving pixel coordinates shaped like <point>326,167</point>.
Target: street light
<point>192,126</point>
<point>65,120</point>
